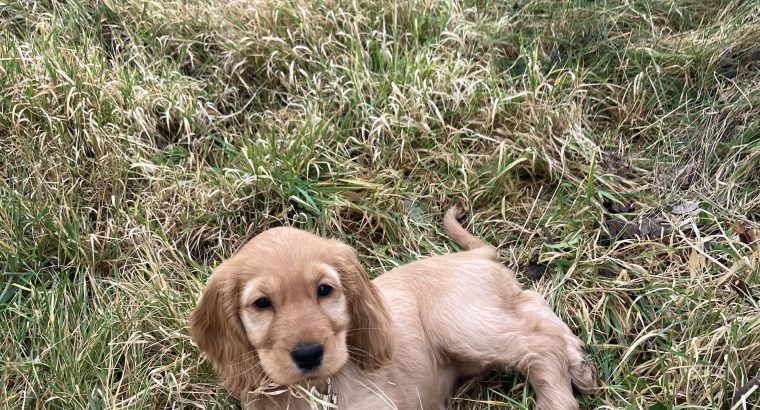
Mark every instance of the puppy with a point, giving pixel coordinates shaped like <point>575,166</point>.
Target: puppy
<point>291,321</point>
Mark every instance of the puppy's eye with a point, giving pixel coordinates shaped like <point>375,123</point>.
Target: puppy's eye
<point>263,303</point>
<point>324,290</point>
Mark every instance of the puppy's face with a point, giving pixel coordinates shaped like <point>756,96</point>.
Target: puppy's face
<point>296,317</point>
<point>290,306</point>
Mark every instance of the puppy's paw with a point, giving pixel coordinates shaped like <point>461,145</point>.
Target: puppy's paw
<point>583,372</point>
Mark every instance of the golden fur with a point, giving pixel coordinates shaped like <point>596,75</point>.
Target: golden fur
<point>400,341</point>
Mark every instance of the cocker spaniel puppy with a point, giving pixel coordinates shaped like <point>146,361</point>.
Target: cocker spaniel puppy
<point>291,321</point>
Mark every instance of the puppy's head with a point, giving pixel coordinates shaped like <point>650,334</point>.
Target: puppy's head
<point>290,306</point>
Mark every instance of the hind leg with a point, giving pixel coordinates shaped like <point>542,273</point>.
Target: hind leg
<point>582,368</point>
<point>530,347</point>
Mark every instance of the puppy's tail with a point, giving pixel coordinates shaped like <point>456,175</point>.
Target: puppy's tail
<point>458,234</point>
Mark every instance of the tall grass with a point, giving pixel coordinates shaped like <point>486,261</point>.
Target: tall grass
<point>143,142</point>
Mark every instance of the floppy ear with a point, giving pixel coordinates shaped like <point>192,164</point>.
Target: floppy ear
<point>370,332</point>
<point>216,327</point>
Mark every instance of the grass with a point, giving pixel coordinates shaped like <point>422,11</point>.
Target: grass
<point>143,142</point>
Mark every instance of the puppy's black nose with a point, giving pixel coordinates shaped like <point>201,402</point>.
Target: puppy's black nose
<point>307,356</point>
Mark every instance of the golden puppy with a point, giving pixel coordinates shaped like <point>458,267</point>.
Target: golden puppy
<point>292,320</point>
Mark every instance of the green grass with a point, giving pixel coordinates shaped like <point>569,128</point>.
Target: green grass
<point>143,142</point>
